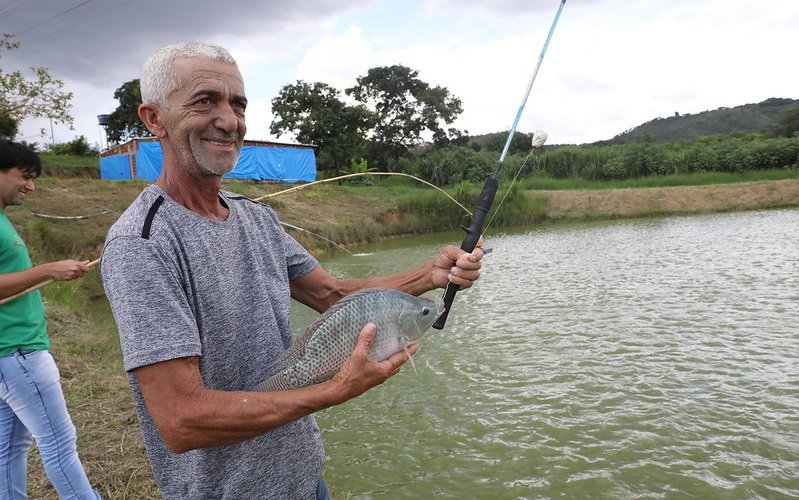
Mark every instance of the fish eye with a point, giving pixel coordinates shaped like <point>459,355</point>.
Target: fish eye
<point>425,311</point>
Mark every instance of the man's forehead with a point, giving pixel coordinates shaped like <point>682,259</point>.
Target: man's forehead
<point>191,66</point>
<point>194,73</point>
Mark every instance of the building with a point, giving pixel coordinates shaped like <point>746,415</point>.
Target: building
<point>141,159</point>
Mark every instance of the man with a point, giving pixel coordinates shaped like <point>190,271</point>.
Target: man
<point>200,282</point>
<point>32,404</point>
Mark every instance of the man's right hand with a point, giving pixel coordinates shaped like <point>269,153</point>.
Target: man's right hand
<point>65,270</point>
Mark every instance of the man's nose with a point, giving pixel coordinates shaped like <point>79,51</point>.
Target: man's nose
<point>227,119</point>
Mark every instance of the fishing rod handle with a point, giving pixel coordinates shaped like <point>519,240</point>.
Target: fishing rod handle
<point>473,233</point>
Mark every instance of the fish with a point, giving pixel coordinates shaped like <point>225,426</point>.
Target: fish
<point>326,344</point>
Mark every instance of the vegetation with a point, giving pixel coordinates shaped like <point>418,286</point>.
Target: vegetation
<point>728,153</point>
<point>405,107</point>
<point>749,118</point>
<point>21,98</point>
<point>395,109</point>
<point>124,123</point>
<point>316,115</point>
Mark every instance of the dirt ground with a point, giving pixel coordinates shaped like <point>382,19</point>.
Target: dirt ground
<point>617,203</point>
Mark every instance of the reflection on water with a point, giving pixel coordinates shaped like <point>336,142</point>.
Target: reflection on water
<point>651,359</point>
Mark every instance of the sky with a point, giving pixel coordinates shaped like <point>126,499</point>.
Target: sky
<point>610,66</point>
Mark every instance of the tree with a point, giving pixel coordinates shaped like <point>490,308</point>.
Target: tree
<point>124,123</point>
<point>406,107</point>
<point>314,113</point>
<point>788,124</point>
<point>40,97</point>
<point>8,126</point>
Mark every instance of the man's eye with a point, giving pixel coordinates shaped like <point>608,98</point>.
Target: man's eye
<point>205,101</point>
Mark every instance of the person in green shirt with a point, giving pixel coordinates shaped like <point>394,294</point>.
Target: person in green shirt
<point>32,404</point>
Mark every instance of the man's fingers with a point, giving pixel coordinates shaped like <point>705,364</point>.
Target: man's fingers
<point>367,336</point>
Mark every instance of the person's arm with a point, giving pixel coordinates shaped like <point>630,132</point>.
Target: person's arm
<point>320,290</point>
<point>62,270</point>
<point>190,416</point>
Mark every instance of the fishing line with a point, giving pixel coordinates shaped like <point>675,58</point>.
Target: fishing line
<point>539,137</point>
<point>486,198</point>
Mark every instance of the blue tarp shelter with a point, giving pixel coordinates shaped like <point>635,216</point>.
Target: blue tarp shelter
<point>260,160</point>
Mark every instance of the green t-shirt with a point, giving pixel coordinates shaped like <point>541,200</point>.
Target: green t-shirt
<point>22,324</point>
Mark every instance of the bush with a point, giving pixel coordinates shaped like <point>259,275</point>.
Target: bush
<point>76,147</point>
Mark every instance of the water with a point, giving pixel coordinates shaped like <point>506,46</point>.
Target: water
<point>643,359</point>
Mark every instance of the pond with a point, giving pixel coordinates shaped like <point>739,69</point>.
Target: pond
<point>653,358</point>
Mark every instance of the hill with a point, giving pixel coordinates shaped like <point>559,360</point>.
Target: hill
<point>760,117</point>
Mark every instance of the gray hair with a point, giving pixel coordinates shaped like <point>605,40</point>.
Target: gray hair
<point>158,76</point>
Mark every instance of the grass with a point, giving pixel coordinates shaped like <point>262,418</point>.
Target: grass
<point>84,338</point>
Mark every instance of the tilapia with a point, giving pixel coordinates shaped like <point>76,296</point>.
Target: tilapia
<point>320,352</point>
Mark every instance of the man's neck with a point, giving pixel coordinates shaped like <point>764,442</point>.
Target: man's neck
<point>198,193</point>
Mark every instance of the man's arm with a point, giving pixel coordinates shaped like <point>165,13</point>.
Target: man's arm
<point>62,270</point>
<point>320,290</point>
<point>190,416</point>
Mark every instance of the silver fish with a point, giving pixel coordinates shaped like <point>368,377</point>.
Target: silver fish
<point>321,351</point>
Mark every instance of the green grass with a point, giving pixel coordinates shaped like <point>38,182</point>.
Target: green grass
<point>69,161</point>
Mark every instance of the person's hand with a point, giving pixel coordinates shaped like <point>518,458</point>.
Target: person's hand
<point>64,270</point>
<point>359,373</point>
<point>454,265</point>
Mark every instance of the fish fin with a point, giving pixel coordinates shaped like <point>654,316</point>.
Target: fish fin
<point>410,358</point>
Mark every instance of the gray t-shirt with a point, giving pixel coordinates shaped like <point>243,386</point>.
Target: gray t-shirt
<point>181,285</point>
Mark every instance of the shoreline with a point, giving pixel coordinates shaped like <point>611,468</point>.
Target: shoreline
<point>678,200</point>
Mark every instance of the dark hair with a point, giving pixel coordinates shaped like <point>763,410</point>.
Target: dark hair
<point>14,154</point>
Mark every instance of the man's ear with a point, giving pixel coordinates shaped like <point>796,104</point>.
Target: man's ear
<point>150,115</point>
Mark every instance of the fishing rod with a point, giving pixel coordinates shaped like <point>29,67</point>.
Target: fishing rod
<point>486,198</point>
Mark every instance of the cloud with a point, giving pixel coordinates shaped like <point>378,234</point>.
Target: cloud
<point>611,64</point>
<point>100,40</point>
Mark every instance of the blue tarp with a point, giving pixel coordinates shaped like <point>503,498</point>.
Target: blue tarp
<point>148,161</point>
<point>115,168</point>
<point>278,163</point>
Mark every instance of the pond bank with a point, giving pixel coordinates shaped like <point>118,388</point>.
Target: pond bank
<point>642,202</point>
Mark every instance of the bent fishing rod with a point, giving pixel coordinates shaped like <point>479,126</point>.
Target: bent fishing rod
<point>486,198</point>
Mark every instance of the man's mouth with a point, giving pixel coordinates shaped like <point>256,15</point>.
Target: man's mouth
<point>222,143</point>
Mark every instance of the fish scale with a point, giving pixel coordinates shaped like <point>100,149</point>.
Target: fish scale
<point>320,352</point>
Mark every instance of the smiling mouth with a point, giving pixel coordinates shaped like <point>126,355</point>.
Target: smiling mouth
<point>222,144</point>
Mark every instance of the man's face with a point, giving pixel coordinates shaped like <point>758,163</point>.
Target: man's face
<point>15,184</point>
<point>205,122</point>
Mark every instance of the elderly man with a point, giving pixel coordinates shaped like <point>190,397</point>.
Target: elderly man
<point>200,282</point>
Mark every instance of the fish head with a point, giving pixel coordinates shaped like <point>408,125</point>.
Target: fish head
<point>419,315</point>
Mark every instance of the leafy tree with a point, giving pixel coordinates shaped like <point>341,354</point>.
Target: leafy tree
<point>788,124</point>
<point>519,144</point>
<point>8,126</point>
<point>40,97</point>
<point>406,107</point>
<point>314,113</point>
<point>124,123</point>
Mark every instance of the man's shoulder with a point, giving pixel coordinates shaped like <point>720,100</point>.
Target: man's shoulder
<point>134,219</point>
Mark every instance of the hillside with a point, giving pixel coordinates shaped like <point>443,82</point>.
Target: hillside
<point>760,117</point>
<point>749,118</point>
